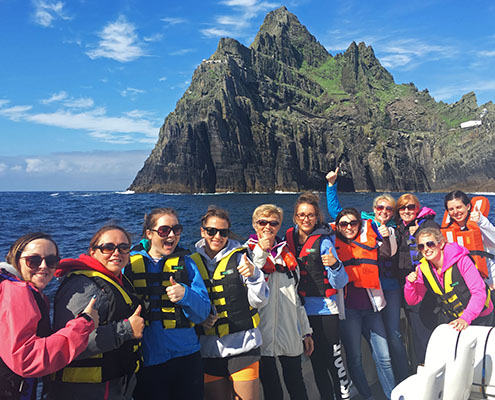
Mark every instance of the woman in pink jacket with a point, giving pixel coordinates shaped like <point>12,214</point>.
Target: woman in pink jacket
<point>28,350</point>
<point>448,271</point>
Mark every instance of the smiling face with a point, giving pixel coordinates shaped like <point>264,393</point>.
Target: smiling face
<point>216,242</point>
<point>431,249</point>
<point>42,275</point>
<point>163,246</point>
<point>458,211</point>
<point>268,231</point>
<point>306,218</point>
<point>348,226</point>
<point>114,261</point>
<point>408,212</point>
<point>384,211</point>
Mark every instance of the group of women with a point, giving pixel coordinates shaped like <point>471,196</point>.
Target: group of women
<point>154,321</point>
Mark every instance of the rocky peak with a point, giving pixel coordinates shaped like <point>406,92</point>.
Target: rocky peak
<point>283,37</point>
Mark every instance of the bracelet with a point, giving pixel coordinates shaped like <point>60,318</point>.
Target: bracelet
<point>86,316</point>
<point>307,335</point>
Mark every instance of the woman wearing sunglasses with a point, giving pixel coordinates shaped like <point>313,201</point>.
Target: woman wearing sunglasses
<point>169,283</point>
<point>107,367</point>
<point>412,219</point>
<point>384,224</point>
<point>358,245</point>
<point>284,324</point>
<point>466,222</point>
<point>448,272</point>
<point>28,349</point>
<point>230,338</point>
<point>322,274</point>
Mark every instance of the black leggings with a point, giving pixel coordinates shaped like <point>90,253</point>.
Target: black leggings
<point>327,357</point>
<point>292,372</point>
<point>178,378</point>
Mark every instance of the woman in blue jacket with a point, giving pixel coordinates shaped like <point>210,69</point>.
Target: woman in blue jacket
<point>169,283</point>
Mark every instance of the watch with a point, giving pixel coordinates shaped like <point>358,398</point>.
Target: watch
<point>86,316</point>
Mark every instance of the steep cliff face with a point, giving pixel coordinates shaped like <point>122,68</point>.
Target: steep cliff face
<point>279,114</point>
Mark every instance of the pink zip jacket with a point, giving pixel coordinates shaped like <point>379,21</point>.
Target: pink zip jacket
<point>21,350</point>
<point>453,253</point>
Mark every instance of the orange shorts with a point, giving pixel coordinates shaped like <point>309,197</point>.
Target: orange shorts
<point>250,373</point>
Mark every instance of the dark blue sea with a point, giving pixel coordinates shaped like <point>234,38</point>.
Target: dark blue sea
<point>72,217</point>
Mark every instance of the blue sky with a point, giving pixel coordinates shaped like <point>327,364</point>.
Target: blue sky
<point>86,84</point>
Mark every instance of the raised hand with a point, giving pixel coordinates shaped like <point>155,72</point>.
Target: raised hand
<point>413,276</point>
<point>332,176</point>
<point>137,323</point>
<point>383,230</point>
<point>176,291</point>
<point>413,229</point>
<point>475,215</point>
<point>328,259</point>
<point>92,312</point>
<point>264,242</point>
<point>246,267</point>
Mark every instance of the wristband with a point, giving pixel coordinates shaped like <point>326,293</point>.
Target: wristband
<point>86,316</point>
<point>307,335</point>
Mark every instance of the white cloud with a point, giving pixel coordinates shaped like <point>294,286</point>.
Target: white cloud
<point>119,42</point>
<point>82,102</point>
<point>131,92</point>
<point>3,167</point>
<point>181,52</point>
<point>174,21</point>
<point>45,12</point>
<point>486,53</point>
<point>162,79</point>
<point>55,97</point>
<point>15,113</point>
<point>238,24</point>
<point>395,60</point>
<point>153,38</point>
<point>4,102</point>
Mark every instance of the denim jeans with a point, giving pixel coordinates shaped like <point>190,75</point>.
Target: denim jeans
<point>391,320</point>
<point>370,325</point>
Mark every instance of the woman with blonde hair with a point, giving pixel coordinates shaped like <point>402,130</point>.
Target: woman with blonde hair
<point>284,324</point>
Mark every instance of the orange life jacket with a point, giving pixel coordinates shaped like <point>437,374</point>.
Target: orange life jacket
<point>360,257</point>
<point>470,237</point>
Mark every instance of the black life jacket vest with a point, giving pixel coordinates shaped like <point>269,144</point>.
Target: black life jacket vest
<point>13,386</point>
<point>228,294</point>
<point>314,280</point>
<point>151,287</point>
<point>123,361</point>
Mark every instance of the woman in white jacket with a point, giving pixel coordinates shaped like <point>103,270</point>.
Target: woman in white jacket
<point>284,324</point>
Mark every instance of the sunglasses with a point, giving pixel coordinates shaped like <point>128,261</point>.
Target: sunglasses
<point>344,224</point>
<point>381,207</point>
<point>109,248</point>
<point>164,230</point>
<point>213,231</point>
<point>302,216</point>
<point>33,262</point>
<point>410,207</point>
<point>430,244</point>
<point>264,222</point>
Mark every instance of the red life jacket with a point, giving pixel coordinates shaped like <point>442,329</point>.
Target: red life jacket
<point>360,257</point>
<point>270,267</point>
<point>470,237</point>
<point>314,280</point>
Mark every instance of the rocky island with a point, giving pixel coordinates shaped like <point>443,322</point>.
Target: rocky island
<point>278,115</point>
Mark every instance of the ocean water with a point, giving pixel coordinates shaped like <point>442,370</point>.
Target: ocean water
<point>72,217</point>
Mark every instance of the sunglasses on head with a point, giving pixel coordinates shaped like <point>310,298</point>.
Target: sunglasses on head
<point>344,224</point>
<point>213,231</point>
<point>109,248</point>
<point>381,207</point>
<point>34,261</point>
<point>430,244</point>
<point>264,222</point>
<point>164,230</point>
<point>410,207</point>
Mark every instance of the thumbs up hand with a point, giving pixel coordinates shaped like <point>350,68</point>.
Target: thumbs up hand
<point>413,229</point>
<point>137,323</point>
<point>332,176</point>
<point>264,242</point>
<point>475,215</point>
<point>383,230</point>
<point>92,312</point>
<point>176,291</point>
<point>246,267</point>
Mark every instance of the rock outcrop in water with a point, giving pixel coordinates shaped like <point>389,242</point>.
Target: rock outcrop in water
<point>280,114</point>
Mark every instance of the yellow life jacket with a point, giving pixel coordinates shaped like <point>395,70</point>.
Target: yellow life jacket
<point>116,363</point>
<point>454,296</point>
<point>151,287</point>
<point>228,294</point>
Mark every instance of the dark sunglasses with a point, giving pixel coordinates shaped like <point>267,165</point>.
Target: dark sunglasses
<point>264,222</point>
<point>109,248</point>
<point>381,207</point>
<point>410,207</point>
<point>33,262</point>
<point>213,231</point>
<point>430,244</point>
<point>164,230</point>
<point>353,224</point>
